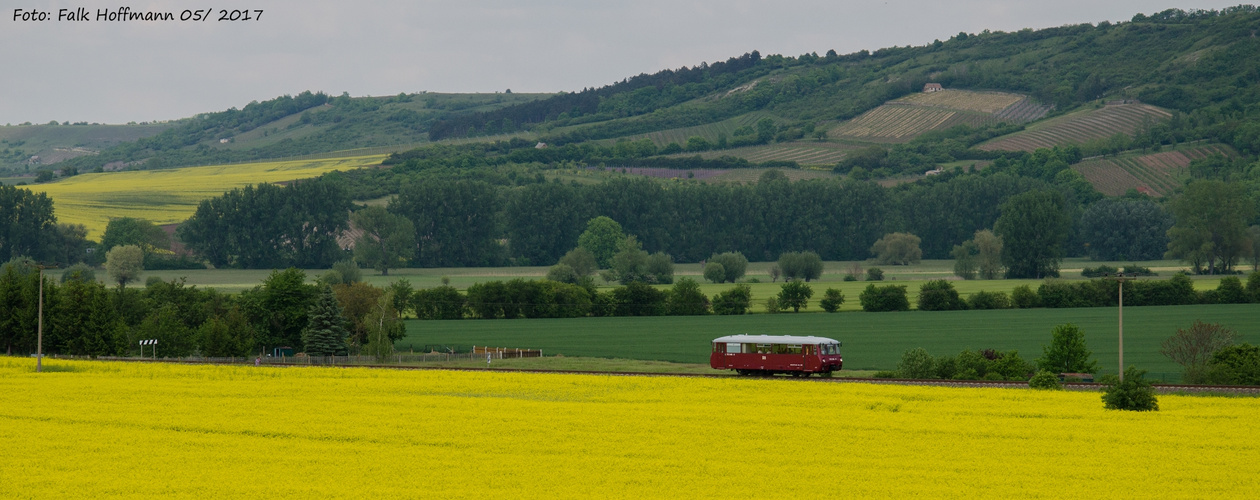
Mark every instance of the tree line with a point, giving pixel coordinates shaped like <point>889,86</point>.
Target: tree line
<point>84,317</point>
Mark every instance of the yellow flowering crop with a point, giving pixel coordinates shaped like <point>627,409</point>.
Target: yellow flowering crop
<point>89,429</point>
<point>171,195</point>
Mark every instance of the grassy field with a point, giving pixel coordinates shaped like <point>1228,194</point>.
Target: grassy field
<point>871,340</point>
<point>235,280</point>
<point>171,196</point>
<point>204,432</point>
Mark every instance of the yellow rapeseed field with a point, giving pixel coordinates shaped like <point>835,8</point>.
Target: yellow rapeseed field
<point>97,429</point>
<point>170,196</point>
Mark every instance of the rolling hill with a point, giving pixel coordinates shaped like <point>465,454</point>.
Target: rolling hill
<point>170,196</point>
<point>1172,61</point>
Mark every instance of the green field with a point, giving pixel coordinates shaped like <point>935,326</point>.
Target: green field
<point>235,280</point>
<point>871,340</point>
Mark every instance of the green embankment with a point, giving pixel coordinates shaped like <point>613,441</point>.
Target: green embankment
<point>871,340</point>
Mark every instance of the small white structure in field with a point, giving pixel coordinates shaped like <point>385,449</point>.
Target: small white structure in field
<point>933,87</point>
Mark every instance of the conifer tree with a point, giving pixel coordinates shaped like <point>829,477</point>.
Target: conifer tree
<point>325,334</point>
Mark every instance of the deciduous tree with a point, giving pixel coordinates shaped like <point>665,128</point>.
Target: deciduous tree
<point>1067,352</point>
<point>1211,225</point>
<point>602,238</point>
<point>1193,348</point>
<point>124,264</point>
<point>795,295</point>
<point>388,240</point>
<point>734,265</point>
<point>898,249</point>
<point>1033,228</point>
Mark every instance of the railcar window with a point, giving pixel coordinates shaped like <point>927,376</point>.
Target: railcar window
<point>732,347</point>
<point>764,349</point>
<point>787,348</point>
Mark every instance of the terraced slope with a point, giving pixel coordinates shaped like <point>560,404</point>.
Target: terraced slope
<point>1156,174</point>
<point>1081,127</point>
<point>807,153</point>
<point>910,116</point>
<point>709,132</point>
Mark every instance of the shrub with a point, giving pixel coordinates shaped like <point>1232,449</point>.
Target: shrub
<point>1046,381</point>
<point>772,305</point>
<point>733,301</point>
<point>1231,291</point>
<point>686,299</point>
<point>946,367</point>
<point>1136,270</point>
<point>794,294</point>
<point>1098,272</point>
<point>874,274</point>
<point>637,299</point>
<point>660,268</point>
<point>803,265</point>
<point>850,277</point>
<point>1133,394</point>
<point>916,363</point>
<point>734,264</point>
<point>884,298</point>
<point>348,271</point>
<point>832,299</point>
<point>714,272</point>
<point>443,302</point>
<point>1024,298</point>
<point>1195,347</point>
<point>1235,365</point>
<point>1009,365</point>
<point>989,300</point>
<point>1067,352</point>
<point>81,272</point>
<point>939,295</point>
<point>897,249</point>
<point>562,273</point>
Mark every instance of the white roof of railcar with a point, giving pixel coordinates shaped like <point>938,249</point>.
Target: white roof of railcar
<point>776,339</point>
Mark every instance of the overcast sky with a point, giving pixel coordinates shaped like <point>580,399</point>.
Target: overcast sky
<point>116,72</point>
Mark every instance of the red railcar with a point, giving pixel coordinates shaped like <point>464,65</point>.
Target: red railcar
<point>771,354</point>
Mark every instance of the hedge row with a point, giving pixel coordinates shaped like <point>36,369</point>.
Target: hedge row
<point>520,298</point>
<point>940,295</point>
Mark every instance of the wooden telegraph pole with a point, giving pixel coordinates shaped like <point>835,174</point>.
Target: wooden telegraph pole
<point>39,342</point>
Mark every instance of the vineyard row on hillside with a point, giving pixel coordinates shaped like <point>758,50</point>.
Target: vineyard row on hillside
<point>1081,127</point>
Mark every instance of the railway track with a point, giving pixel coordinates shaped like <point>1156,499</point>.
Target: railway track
<point>1071,386</point>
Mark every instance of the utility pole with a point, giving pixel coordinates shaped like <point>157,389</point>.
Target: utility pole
<point>1119,277</point>
<point>39,342</point>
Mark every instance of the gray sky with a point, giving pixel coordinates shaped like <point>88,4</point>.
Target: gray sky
<point>116,72</point>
